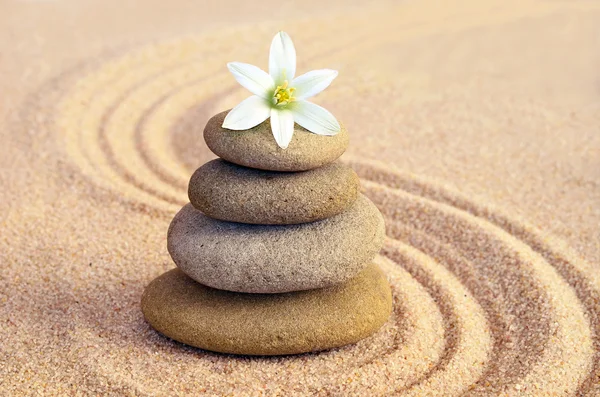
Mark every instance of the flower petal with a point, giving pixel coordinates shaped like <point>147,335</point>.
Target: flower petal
<point>249,113</point>
<point>282,126</point>
<point>252,78</point>
<point>282,58</point>
<point>314,118</point>
<point>311,83</point>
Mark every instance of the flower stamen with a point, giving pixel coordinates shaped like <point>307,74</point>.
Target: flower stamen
<point>283,95</point>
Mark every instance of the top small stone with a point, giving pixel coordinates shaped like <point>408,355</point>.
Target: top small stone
<point>256,147</point>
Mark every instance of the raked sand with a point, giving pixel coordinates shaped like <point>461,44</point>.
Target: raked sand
<point>475,128</point>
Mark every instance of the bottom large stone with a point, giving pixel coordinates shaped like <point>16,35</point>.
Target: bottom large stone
<point>267,324</point>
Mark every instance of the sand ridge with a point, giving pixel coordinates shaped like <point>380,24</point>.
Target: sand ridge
<point>469,131</point>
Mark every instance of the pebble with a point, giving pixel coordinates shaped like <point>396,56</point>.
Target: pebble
<point>256,147</point>
<point>230,192</point>
<point>273,259</point>
<point>267,324</point>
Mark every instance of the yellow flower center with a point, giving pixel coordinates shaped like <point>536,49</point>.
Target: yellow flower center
<point>283,95</point>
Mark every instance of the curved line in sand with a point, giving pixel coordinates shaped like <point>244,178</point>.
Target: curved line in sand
<point>95,106</point>
<point>154,132</point>
<point>119,133</point>
<point>576,277</point>
<point>570,348</point>
<point>419,342</point>
<point>484,289</point>
<point>467,337</point>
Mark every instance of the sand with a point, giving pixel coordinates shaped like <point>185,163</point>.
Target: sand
<point>475,128</point>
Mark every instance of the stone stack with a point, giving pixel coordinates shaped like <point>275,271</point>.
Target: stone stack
<point>274,252</point>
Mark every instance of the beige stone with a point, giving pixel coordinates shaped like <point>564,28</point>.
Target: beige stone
<point>267,324</point>
<point>273,259</point>
<point>230,192</point>
<point>256,147</point>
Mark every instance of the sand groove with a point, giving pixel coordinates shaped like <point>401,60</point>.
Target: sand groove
<point>483,303</point>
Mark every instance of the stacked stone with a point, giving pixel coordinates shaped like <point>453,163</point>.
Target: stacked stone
<point>274,252</point>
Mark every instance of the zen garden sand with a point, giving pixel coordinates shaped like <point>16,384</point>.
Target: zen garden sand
<point>473,128</point>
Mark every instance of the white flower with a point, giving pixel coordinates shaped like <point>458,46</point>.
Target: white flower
<point>281,96</point>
